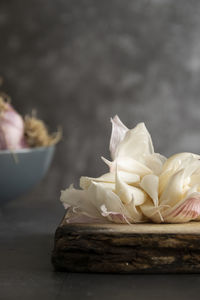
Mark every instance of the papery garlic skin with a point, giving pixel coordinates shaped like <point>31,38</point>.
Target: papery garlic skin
<point>141,185</point>
<point>103,200</point>
<point>11,128</point>
<point>119,131</point>
<point>117,196</point>
<point>178,191</point>
<point>134,151</point>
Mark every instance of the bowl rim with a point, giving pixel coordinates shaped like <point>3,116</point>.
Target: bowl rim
<point>26,150</point>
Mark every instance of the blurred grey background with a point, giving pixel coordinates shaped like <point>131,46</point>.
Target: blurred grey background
<point>80,62</point>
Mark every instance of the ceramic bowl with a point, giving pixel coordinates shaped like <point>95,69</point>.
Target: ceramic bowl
<point>22,170</point>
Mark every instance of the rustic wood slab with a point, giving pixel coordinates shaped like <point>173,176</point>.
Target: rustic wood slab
<point>137,248</point>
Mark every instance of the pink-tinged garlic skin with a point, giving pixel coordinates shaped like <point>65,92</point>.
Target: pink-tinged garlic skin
<point>11,130</point>
<point>3,145</point>
<point>114,217</point>
<point>187,211</point>
<point>141,185</point>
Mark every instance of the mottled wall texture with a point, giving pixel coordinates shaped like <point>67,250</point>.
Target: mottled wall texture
<point>80,62</point>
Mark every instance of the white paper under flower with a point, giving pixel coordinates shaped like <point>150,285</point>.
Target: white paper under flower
<point>140,186</point>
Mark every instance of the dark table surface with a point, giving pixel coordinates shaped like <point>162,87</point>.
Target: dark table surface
<point>26,241</point>
<point>79,63</point>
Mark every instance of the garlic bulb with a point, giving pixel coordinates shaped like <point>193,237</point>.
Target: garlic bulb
<point>141,185</point>
<point>178,190</point>
<point>11,128</point>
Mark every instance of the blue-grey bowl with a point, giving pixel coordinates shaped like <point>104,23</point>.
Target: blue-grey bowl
<point>22,170</point>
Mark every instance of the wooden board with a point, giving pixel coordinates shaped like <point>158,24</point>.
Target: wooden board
<point>137,248</point>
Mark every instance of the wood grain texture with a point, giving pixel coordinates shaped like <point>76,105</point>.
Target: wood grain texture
<point>137,248</point>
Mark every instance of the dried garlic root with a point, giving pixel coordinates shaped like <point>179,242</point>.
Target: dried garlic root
<point>36,133</point>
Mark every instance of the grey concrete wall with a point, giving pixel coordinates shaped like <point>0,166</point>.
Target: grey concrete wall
<point>81,62</point>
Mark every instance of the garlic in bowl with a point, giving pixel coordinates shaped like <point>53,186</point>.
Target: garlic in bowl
<point>26,151</point>
<point>22,170</point>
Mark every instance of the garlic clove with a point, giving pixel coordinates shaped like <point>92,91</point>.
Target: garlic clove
<point>177,160</point>
<point>150,184</point>
<point>136,143</point>
<point>77,201</point>
<point>164,179</point>
<point>109,178</point>
<point>128,193</point>
<point>114,216</point>
<point>152,212</point>
<point>188,164</point>
<point>173,191</point>
<point>129,178</point>
<point>154,162</point>
<point>135,212</point>
<point>75,216</point>
<point>184,211</point>
<point>100,197</point>
<point>195,179</point>
<point>178,177</point>
<point>129,165</point>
